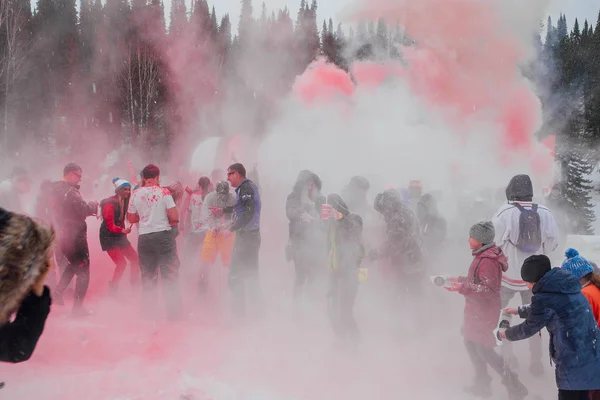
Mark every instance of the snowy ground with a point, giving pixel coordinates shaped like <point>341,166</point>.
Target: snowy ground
<point>115,355</point>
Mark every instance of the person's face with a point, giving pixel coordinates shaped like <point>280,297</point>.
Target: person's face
<point>23,186</point>
<point>234,178</point>
<point>530,285</point>
<point>313,191</point>
<point>74,177</point>
<point>475,244</point>
<point>125,192</point>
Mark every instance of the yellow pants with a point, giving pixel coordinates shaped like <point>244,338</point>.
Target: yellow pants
<point>214,244</point>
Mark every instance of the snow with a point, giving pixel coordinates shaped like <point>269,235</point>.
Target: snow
<point>289,354</point>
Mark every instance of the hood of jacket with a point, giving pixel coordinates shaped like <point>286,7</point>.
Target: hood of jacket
<point>388,202</point>
<point>520,188</point>
<point>304,179</point>
<point>25,247</point>
<point>336,201</point>
<point>427,206</point>
<point>559,281</point>
<point>495,253</point>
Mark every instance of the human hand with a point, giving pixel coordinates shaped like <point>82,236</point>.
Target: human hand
<point>306,217</point>
<point>225,232</point>
<point>453,286</point>
<point>127,231</point>
<point>511,311</point>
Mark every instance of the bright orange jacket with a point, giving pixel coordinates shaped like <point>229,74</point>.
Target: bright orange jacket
<point>592,293</point>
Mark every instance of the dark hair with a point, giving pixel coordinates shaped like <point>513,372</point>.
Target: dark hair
<point>204,183</point>
<point>71,167</point>
<point>150,171</point>
<point>239,168</point>
<point>593,278</point>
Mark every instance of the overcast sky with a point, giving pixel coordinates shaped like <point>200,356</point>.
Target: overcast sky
<point>581,9</point>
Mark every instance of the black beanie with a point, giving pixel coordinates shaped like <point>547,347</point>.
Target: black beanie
<point>534,267</point>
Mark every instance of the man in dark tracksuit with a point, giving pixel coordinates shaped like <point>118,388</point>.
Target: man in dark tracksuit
<point>69,214</point>
<point>243,272</point>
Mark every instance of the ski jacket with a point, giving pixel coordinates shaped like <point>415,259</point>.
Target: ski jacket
<point>345,246</point>
<point>403,245</point>
<point>305,235</point>
<point>559,306</point>
<point>247,208</point>
<point>111,230</point>
<point>70,211</point>
<point>481,288</point>
<point>19,338</point>
<point>592,294</point>
<point>506,224</point>
<point>433,225</point>
<point>225,202</point>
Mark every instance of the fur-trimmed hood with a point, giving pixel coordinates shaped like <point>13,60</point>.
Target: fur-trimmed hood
<point>25,247</point>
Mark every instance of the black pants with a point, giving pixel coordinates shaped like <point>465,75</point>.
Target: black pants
<point>305,264</point>
<point>573,395</point>
<point>77,253</point>
<point>158,252</point>
<point>343,288</point>
<point>243,272</point>
<point>481,357</point>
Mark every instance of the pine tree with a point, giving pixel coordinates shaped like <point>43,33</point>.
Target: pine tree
<point>381,39</point>
<point>576,169</point>
<point>178,18</point>
<point>245,27</point>
<point>550,33</point>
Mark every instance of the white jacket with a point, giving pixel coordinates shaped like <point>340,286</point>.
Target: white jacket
<point>506,224</point>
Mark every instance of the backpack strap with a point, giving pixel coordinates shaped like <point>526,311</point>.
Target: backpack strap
<point>520,207</point>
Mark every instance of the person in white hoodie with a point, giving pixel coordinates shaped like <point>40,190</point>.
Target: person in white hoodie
<point>523,229</point>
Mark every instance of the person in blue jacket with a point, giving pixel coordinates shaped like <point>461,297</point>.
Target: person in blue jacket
<point>243,271</point>
<point>559,306</point>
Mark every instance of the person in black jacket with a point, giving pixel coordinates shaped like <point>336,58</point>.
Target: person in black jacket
<point>69,214</point>
<point>346,253</point>
<point>303,209</point>
<point>25,254</point>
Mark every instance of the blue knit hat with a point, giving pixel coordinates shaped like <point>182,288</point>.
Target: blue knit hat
<point>576,265</point>
<point>120,184</point>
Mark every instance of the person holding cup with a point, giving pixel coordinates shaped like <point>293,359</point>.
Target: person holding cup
<point>346,252</point>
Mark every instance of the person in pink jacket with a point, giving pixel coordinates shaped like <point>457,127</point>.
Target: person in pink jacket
<point>481,288</point>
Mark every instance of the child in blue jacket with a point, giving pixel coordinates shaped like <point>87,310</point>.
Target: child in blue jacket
<point>559,306</point>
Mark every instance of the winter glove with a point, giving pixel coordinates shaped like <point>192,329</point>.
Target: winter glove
<point>363,275</point>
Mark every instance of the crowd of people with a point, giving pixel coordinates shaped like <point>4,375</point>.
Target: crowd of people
<point>510,249</point>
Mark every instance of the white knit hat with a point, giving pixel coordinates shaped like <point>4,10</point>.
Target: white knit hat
<point>120,184</point>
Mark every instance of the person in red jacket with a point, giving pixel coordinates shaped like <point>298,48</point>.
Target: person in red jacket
<point>481,288</point>
<point>113,234</point>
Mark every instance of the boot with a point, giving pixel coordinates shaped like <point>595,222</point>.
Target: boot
<point>480,390</point>
<point>516,389</point>
<point>80,312</point>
